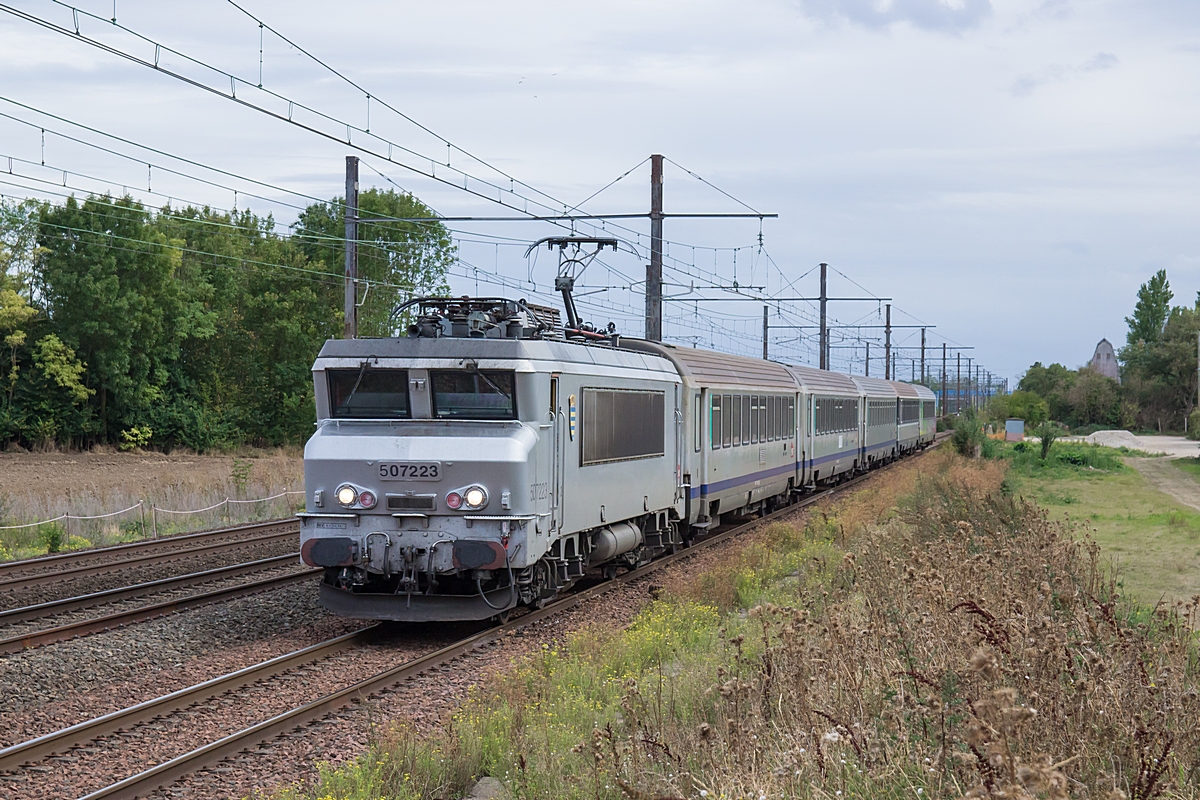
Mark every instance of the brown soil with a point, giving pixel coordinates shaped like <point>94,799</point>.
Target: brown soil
<point>1166,477</point>
<point>51,474</point>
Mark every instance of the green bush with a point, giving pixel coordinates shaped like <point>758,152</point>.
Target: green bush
<point>1065,459</point>
<point>136,437</point>
<point>1048,432</point>
<point>52,536</point>
<point>969,439</point>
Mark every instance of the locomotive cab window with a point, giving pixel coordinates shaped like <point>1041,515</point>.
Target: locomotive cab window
<point>478,395</point>
<point>368,393</point>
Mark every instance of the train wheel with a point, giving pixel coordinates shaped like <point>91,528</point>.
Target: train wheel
<point>502,617</point>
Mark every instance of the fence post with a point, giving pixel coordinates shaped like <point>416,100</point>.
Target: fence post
<point>142,514</point>
<point>154,520</point>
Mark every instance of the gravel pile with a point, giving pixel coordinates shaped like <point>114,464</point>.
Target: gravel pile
<point>1116,439</point>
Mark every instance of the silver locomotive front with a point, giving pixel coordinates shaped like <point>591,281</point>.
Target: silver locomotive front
<point>423,477</point>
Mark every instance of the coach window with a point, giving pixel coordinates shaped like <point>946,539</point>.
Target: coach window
<point>714,427</point>
<point>727,422</point>
<point>745,419</point>
<point>698,425</point>
<point>791,412</point>
<point>737,420</point>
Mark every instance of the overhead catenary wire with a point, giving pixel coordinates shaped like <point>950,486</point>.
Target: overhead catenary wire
<point>682,266</point>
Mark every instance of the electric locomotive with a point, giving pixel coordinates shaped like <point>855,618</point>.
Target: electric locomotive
<point>494,455</point>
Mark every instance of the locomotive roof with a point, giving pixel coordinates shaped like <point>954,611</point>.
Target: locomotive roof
<point>495,349</point>
<point>820,380</point>
<point>708,367</point>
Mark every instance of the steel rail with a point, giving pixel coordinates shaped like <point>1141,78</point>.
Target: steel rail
<point>164,542</point>
<point>163,774</point>
<point>26,613</point>
<point>39,578</point>
<point>15,644</point>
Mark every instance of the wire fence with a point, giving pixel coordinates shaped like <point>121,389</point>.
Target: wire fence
<point>136,521</point>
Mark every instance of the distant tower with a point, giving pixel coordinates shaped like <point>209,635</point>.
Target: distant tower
<point>1104,360</point>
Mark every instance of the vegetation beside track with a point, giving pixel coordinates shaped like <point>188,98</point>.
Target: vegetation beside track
<point>932,635</point>
<point>1154,540</point>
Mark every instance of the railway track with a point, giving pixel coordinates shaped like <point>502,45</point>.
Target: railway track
<point>16,575</point>
<point>122,722</point>
<point>27,635</point>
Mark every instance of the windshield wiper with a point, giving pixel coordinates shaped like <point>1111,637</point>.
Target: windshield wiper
<point>362,370</point>
<point>473,367</point>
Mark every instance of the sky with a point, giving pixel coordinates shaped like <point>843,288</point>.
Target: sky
<point>1007,173</point>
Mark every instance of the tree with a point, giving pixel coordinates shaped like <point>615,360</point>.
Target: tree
<point>1095,399</point>
<point>1161,376</point>
<point>409,258</point>
<point>1150,313</point>
<point>109,286</point>
<point>249,378</point>
<point>1052,384</point>
<point>1027,406</point>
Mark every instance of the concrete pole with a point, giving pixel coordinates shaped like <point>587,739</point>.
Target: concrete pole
<point>654,268</point>
<point>887,345</point>
<point>923,357</point>
<point>764,333</point>
<point>824,323</point>
<point>958,386</point>
<point>350,212</point>
<point>943,386</point>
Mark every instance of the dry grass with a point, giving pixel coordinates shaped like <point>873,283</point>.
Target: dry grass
<point>932,636</point>
<point>969,647</point>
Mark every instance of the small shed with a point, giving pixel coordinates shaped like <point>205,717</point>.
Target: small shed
<point>1014,430</point>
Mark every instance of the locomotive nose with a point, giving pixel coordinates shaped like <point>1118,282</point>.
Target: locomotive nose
<point>437,479</point>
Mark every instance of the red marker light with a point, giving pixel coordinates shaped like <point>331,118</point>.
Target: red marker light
<point>366,500</point>
<point>454,500</point>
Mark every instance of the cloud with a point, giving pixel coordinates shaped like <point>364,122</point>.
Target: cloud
<point>951,16</point>
<point>1098,62</point>
<point>1026,84</point>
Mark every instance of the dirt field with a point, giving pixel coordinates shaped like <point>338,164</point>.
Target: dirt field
<point>58,474</point>
<point>40,486</point>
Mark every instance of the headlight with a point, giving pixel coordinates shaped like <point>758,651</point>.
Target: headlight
<point>475,497</point>
<point>347,495</point>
